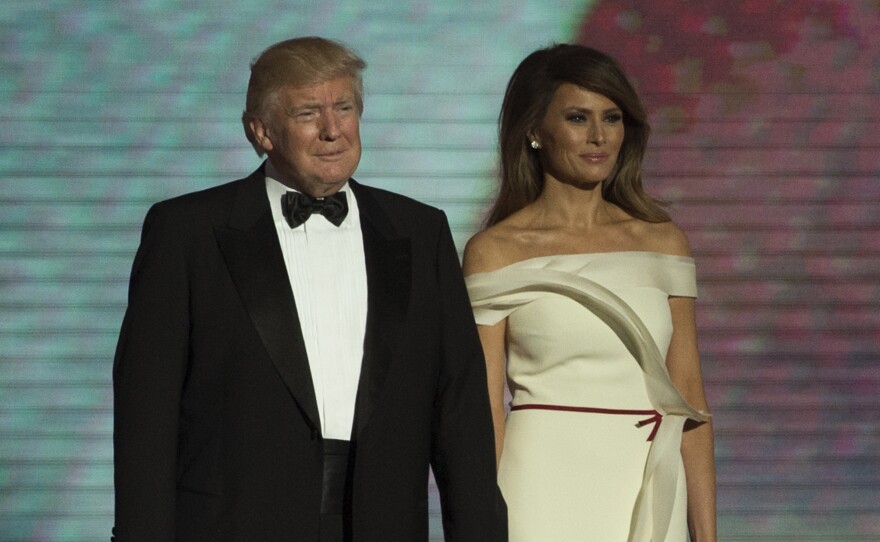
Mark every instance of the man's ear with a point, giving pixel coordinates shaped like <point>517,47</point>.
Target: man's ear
<point>261,134</point>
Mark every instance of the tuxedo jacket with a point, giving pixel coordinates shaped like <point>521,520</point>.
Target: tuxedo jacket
<point>216,427</point>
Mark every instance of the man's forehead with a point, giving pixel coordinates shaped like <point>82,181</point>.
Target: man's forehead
<point>333,91</point>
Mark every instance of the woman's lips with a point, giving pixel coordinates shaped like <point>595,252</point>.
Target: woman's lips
<point>595,158</point>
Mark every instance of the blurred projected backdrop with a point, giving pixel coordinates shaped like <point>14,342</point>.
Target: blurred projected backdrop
<point>764,114</point>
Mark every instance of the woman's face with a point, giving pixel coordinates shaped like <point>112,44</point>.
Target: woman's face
<point>580,136</point>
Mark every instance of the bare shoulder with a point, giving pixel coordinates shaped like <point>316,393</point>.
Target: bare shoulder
<point>485,251</point>
<point>662,237</point>
<point>669,238</point>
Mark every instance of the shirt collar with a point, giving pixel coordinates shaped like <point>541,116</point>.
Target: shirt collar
<point>276,189</point>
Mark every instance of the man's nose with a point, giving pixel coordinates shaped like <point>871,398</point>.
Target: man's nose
<point>330,127</point>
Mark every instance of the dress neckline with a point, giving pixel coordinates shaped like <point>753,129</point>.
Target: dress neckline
<point>624,253</point>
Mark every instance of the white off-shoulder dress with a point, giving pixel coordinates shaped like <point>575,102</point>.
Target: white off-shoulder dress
<point>592,442</point>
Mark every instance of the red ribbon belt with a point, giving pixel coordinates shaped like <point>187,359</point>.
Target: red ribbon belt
<point>655,417</point>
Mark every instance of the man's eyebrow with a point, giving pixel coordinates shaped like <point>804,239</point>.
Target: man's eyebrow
<point>315,105</point>
<point>308,106</point>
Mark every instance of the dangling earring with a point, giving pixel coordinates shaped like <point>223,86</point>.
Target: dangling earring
<point>535,145</point>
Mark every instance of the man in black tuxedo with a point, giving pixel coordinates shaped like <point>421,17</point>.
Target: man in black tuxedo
<point>298,348</point>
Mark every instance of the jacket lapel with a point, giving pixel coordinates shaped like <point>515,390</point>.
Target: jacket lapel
<point>253,256</point>
<point>389,279</point>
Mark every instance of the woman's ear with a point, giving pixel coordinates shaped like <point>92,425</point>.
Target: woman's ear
<point>534,142</point>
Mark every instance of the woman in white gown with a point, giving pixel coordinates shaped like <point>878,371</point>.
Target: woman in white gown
<point>584,291</point>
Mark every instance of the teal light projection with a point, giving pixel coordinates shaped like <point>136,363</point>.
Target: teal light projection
<point>763,113</point>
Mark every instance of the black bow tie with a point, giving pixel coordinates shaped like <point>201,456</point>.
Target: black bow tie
<point>299,207</point>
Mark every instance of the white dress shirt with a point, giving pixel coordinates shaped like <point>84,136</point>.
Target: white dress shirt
<point>328,276</point>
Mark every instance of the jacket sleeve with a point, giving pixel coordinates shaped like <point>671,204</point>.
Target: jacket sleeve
<point>148,373</point>
<point>463,448</point>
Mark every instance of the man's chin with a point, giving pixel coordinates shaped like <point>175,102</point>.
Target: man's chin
<point>326,186</point>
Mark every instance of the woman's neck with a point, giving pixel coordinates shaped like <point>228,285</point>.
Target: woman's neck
<point>576,207</point>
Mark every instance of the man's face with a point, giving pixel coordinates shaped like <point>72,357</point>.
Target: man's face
<point>313,136</point>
